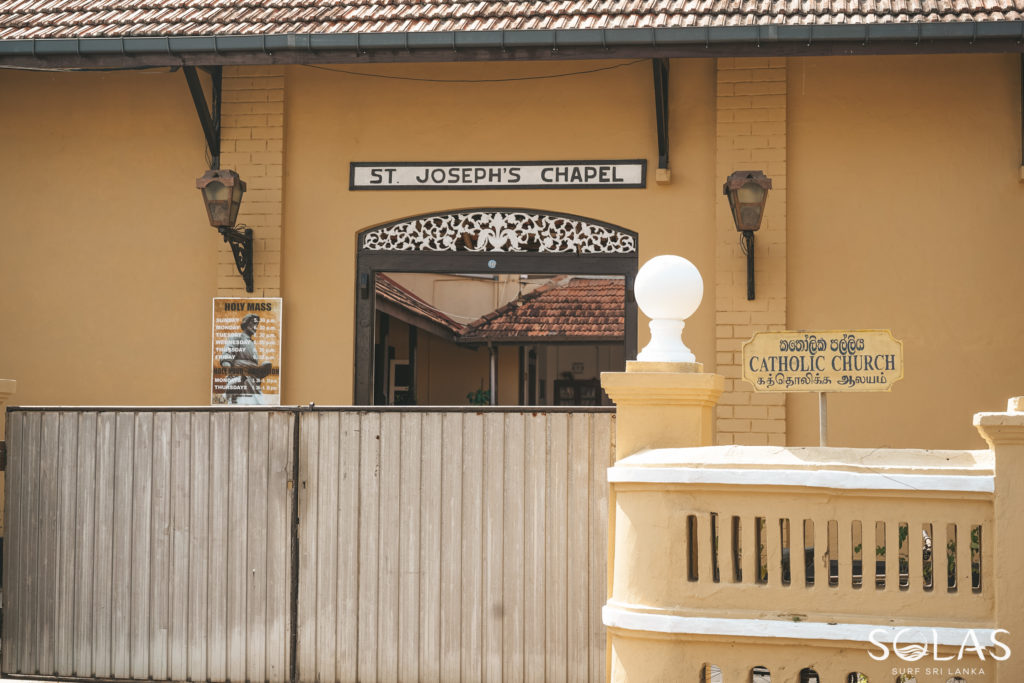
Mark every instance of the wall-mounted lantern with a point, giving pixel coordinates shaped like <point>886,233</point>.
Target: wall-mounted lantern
<point>222,193</point>
<point>747,192</point>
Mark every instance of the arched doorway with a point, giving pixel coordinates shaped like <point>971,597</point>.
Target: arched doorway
<point>488,240</point>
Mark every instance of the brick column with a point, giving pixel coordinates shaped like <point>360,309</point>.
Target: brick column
<point>252,143</point>
<point>751,136</point>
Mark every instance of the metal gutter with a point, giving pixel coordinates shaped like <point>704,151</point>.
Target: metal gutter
<point>998,36</point>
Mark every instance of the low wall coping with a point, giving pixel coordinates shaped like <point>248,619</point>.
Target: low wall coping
<point>911,460</point>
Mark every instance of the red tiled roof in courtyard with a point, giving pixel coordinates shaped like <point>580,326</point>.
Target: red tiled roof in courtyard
<point>564,310</point>
<point>21,19</point>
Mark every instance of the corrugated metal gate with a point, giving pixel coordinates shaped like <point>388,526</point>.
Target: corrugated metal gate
<point>426,545</point>
<point>148,544</point>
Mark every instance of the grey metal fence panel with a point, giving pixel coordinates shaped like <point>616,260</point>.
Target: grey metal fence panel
<point>148,544</point>
<point>432,545</point>
<point>452,545</point>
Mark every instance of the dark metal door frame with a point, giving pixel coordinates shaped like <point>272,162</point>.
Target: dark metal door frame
<point>369,262</point>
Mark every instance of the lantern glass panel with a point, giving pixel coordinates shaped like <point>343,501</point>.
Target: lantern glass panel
<point>236,203</point>
<point>216,192</point>
<point>750,193</point>
<point>219,214</point>
<point>750,217</point>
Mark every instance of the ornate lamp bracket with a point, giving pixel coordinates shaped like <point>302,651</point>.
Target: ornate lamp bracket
<point>240,239</point>
<point>209,115</point>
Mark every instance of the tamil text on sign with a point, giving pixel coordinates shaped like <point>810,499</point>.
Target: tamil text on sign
<point>836,360</point>
<point>246,352</point>
<point>481,175</point>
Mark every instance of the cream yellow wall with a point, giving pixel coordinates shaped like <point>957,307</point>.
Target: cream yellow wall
<point>104,291</point>
<point>508,375</point>
<point>905,213</point>
<point>334,118</point>
<point>107,262</point>
<point>448,372</point>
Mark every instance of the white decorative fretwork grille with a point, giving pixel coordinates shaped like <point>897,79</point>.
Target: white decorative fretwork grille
<point>500,231</point>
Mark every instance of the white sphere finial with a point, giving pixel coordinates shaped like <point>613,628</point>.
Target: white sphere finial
<point>668,290</point>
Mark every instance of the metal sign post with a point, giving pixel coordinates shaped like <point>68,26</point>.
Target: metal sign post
<point>822,418</point>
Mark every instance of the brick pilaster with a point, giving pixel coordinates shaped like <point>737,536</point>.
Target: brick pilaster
<point>751,135</point>
<point>252,143</point>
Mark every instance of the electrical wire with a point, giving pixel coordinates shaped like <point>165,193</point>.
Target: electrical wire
<point>475,80</point>
<point>55,69</point>
<point>746,238</point>
<point>162,69</point>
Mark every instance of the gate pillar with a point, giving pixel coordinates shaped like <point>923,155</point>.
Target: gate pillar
<point>658,405</point>
<point>665,400</point>
<point>1004,433</point>
<point>662,405</point>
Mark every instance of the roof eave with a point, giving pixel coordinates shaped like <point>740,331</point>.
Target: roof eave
<point>412,317</point>
<point>553,339</point>
<point>446,46</point>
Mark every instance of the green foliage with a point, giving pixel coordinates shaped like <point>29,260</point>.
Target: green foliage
<point>480,397</point>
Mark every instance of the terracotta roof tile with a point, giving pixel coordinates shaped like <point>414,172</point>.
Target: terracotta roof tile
<point>568,309</point>
<point>80,18</point>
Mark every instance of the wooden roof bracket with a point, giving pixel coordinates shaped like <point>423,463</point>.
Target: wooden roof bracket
<point>209,116</point>
<point>660,70</point>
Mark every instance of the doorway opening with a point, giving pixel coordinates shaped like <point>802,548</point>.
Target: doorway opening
<point>478,339</point>
<point>493,306</point>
